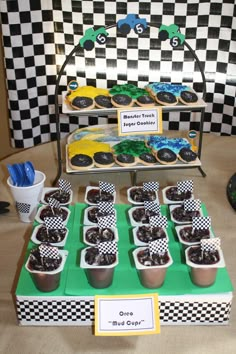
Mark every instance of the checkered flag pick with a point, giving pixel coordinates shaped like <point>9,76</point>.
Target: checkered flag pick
<point>192,204</point>
<point>158,246</point>
<point>201,223</point>
<point>108,247</point>
<point>53,223</point>
<point>152,206</point>
<point>48,251</point>
<point>106,207</point>
<point>158,220</point>
<point>106,187</point>
<point>151,186</point>
<point>210,244</point>
<point>22,207</point>
<point>107,221</point>
<point>64,185</point>
<point>185,186</point>
<point>54,203</point>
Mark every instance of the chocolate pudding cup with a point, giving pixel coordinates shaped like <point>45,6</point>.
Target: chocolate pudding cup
<point>47,281</point>
<point>203,274</point>
<point>151,276</point>
<point>99,276</point>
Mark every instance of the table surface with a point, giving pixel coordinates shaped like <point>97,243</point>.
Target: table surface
<point>219,163</point>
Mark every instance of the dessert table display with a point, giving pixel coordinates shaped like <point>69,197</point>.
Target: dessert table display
<point>72,303</point>
<point>15,236</point>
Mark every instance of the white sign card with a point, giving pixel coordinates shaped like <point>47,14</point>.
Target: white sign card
<point>139,121</point>
<point>126,315</point>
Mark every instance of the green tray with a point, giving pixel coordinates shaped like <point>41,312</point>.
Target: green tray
<point>126,280</point>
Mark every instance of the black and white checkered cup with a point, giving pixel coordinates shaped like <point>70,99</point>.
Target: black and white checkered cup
<point>27,198</point>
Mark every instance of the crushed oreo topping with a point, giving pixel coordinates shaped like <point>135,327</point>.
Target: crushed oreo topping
<point>93,257</point>
<point>146,259</point>
<point>197,256</point>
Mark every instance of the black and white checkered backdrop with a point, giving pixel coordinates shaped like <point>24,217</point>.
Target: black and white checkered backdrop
<point>39,34</point>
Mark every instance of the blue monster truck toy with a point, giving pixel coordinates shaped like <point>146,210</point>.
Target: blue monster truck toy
<point>134,22</point>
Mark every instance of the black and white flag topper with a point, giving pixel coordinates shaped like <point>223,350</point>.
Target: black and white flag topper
<point>107,221</point>
<point>54,223</point>
<point>48,251</point>
<point>201,223</point>
<point>185,186</point>
<point>151,186</point>
<point>107,247</point>
<point>210,244</point>
<point>54,203</point>
<point>64,185</point>
<point>192,204</point>
<point>106,187</point>
<point>152,206</point>
<point>158,220</point>
<point>106,207</point>
<point>158,246</point>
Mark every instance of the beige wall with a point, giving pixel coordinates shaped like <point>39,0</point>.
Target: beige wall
<point>5,146</point>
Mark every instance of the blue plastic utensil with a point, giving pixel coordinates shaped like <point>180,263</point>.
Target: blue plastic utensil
<point>29,172</point>
<point>13,175</point>
<point>20,174</point>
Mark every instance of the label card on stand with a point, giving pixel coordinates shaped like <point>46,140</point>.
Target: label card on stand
<point>139,121</point>
<point>126,315</point>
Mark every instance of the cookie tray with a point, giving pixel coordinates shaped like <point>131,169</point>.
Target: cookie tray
<point>66,109</point>
<point>138,167</point>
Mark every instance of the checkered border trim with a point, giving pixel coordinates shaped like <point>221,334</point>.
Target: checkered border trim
<point>77,311</point>
<point>194,312</point>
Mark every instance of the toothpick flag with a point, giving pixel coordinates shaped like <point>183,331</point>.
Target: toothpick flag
<point>48,251</point>
<point>54,222</point>
<point>54,203</point>
<point>201,223</point>
<point>192,204</point>
<point>106,207</point>
<point>210,244</point>
<point>159,246</point>
<point>152,206</point>
<point>106,187</point>
<point>108,247</point>
<point>150,186</point>
<point>185,186</point>
<point>158,220</point>
<point>64,185</point>
<point>107,221</point>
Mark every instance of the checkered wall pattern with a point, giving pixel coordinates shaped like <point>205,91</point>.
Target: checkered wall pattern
<point>77,311</point>
<point>39,34</point>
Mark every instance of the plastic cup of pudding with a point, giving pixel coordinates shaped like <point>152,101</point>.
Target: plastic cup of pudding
<point>99,276</point>
<point>47,281</point>
<point>151,276</point>
<point>203,275</point>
